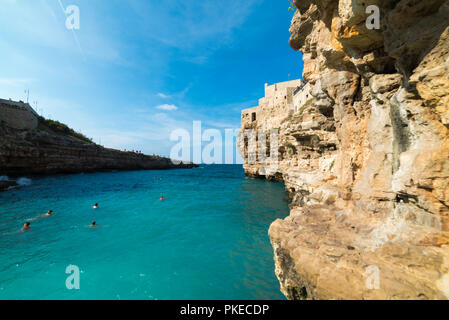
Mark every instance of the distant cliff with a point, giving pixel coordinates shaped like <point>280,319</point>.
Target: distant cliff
<point>52,147</point>
<point>365,157</point>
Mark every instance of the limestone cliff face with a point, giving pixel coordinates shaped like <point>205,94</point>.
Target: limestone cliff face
<point>367,158</point>
<point>24,152</point>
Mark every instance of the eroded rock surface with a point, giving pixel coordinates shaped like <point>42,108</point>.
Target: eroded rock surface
<point>24,152</point>
<point>367,159</point>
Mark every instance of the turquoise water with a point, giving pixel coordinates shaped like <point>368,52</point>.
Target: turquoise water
<point>207,240</point>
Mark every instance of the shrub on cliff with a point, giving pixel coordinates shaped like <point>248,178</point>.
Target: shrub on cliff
<point>60,128</point>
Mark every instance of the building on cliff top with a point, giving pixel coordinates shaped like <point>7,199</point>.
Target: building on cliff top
<point>281,100</point>
<point>18,115</point>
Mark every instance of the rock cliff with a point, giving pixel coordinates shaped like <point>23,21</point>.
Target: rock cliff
<point>44,151</point>
<point>366,159</point>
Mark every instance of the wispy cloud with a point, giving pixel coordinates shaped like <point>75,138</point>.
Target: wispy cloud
<point>73,31</point>
<point>163,96</point>
<point>187,25</point>
<point>167,107</point>
<point>43,26</point>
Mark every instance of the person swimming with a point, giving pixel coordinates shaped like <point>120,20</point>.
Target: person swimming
<point>26,226</point>
<point>162,198</point>
<point>95,206</point>
<point>48,214</point>
<point>93,225</point>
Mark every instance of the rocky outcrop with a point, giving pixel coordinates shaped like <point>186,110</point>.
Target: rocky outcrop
<point>5,185</point>
<point>367,159</point>
<point>24,152</point>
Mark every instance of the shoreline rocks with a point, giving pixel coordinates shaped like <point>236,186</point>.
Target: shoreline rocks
<point>5,185</point>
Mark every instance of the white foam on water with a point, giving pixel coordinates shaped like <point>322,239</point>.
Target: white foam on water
<point>4,178</point>
<point>24,181</point>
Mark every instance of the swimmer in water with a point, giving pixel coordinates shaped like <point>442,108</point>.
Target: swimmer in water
<point>162,198</point>
<point>93,225</point>
<point>95,206</point>
<point>26,226</point>
<point>48,214</point>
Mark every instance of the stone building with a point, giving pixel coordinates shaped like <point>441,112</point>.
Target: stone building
<point>273,108</point>
<point>260,126</point>
<point>301,96</point>
<point>18,115</point>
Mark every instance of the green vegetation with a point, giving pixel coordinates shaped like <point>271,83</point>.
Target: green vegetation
<point>332,165</point>
<point>291,150</point>
<point>292,5</point>
<point>288,119</point>
<point>308,103</point>
<point>60,128</point>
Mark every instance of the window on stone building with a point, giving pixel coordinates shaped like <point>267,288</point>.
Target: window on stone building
<point>253,116</point>
<point>268,148</point>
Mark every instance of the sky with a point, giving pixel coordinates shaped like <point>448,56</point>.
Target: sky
<point>137,70</point>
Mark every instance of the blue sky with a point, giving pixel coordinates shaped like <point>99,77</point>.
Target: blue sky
<point>138,69</point>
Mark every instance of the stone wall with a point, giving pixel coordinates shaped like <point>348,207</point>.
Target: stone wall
<point>272,90</point>
<point>301,97</point>
<point>273,108</point>
<point>18,115</point>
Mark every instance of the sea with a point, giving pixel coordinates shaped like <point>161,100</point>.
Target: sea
<point>207,240</point>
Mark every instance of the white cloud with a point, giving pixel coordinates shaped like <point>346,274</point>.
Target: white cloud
<point>42,25</point>
<point>167,107</point>
<point>163,96</point>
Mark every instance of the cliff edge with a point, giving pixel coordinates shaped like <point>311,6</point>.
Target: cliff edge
<point>364,153</point>
<point>48,147</point>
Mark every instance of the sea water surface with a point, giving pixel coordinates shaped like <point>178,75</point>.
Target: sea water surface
<point>207,240</point>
